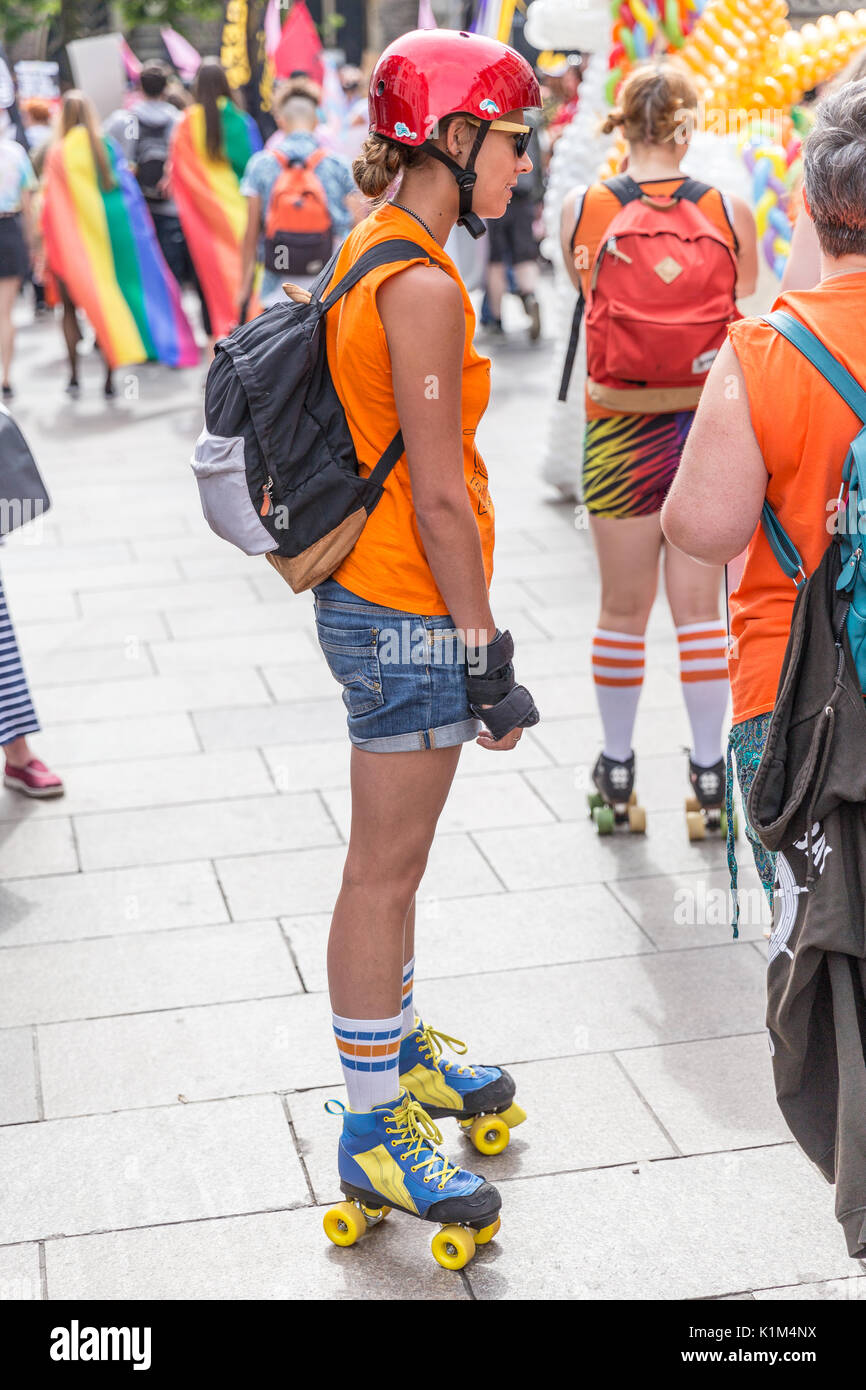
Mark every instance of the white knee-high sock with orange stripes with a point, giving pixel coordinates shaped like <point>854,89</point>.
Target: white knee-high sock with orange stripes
<point>704,676</point>
<point>617,669</point>
<point>369,1051</point>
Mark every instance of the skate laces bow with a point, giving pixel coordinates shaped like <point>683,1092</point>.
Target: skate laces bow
<point>434,1042</point>
<point>416,1129</point>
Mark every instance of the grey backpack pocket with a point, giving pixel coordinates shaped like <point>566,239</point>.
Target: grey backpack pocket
<point>220,471</point>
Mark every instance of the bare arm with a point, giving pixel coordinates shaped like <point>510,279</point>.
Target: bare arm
<point>715,502</point>
<point>566,231</point>
<point>250,246</point>
<point>747,256</point>
<point>427,376</point>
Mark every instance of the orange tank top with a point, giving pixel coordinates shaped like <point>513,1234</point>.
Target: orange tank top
<point>387,564</point>
<point>803,429</point>
<point>600,207</point>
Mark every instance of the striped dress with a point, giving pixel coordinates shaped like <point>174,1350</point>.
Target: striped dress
<point>17,715</point>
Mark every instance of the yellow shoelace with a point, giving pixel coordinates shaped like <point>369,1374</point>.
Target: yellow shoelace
<point>416,1129</point>
<point>433,1042</point>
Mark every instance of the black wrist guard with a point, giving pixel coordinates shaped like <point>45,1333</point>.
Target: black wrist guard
<point>490,681</point>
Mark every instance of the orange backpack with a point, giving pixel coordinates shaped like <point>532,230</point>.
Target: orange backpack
<point>299,232</point>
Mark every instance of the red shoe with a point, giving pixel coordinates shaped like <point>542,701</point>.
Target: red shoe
<point>33,780</point>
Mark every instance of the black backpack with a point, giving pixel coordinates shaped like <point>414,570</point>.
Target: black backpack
<point>275,464</point>
<point>151,152</point>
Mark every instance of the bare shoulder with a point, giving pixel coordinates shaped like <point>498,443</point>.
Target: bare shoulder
<point>421,291</point>
<point>740,207</point>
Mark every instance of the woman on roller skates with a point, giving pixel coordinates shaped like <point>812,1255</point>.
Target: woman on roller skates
<point>405,621</point>
<point>637,420</point>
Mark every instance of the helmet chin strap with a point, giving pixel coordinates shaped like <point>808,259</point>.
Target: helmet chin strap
<point>465,180</point>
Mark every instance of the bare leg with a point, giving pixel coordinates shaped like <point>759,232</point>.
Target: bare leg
<point>18,752</point>
<point>409,934</point>
<point>396,801</point>
<point>526,276</point>
<point>628,557</point>
<point>692,589</point>
<point>71,335</point>
<point>9,288</point>
<point>496,283</point>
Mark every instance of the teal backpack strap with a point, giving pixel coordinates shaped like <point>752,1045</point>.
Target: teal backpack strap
<point>852,394</point>
<point>782,546</point>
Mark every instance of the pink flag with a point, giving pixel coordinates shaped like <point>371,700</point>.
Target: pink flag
<point>130,62</point>
<point>183,56</point>
<point>426,17</point>
<point>272,27</point>
<point>299,46</point>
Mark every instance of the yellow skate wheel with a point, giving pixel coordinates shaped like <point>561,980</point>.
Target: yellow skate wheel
<point>513,1116</point>
<point>490,1134</point>
<point>484,1237</point>
<point>696,825</point>
<point>453,1247</point>
<point>344,1224</point>
<point>637,820</point>
<point>692,803</point>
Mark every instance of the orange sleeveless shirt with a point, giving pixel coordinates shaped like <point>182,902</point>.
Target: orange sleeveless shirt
<point>600,207</point>
<point>387,564</point>
<point>803,429</point>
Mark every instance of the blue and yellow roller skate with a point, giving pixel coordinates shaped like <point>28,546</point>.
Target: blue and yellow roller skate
<point>480,1099</point>
<point>388,1155</point>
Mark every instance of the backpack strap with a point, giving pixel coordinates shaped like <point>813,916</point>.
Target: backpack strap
<point>577,318</point>
<point>313,160</point>
<point>692,190</point>
<point>852,394</point>
<point>395,249</point>
<point>624,188</point>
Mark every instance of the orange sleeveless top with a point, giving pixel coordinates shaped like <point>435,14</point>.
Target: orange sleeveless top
<point>803,429</point>
<point>600,207</point>
<point>388,565</point>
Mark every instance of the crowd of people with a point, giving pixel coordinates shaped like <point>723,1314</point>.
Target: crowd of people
<point>695,418</point>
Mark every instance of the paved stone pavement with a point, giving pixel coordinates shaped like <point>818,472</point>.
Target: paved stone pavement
<point>165,1042</point>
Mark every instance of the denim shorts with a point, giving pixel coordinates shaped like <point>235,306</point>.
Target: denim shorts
<point>403,674</point>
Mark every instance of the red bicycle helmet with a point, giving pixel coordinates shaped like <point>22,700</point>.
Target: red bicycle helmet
<point>431,73</point>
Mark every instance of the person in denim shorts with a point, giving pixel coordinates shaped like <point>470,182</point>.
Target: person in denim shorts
<point>405,622</point>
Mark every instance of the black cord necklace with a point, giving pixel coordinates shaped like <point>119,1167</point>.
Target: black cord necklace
<point>415,215</point>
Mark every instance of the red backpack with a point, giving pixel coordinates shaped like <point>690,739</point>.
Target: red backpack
<point>299,234</point>
<point>661,296</point>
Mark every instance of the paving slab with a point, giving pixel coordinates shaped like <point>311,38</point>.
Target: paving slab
<point>295,721</point>
<point>29,848</point>
<point>117,740</point>
<point>496,932</point>
<point>278,1256</point>
<point>151,970</point>
<point>309,880</point>
<point>113,902</point>
<point>714,1094</point>
<point>20,1280</point>
<point>149,782</point>
<point>19,1101</point>
<point>141,1168</point>
<point>852,1289</point>
<point>214,653</point>
<point>196,690</point>
<point>716,1239</point>
<point>694,908</point>
<point>252,825</point>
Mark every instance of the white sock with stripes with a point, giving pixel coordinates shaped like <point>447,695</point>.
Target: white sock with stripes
<point>408,1004</point>
<point>369,1051</point>
<point>704,676</point>
<point>617,669</point>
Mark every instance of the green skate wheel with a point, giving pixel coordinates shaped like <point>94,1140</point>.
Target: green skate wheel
<point>723,825</point>
<point>594,799</point>
<point>604,819</point>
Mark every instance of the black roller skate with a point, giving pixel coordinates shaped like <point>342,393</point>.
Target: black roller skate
<point>705,811</point>
<point>614,801</point>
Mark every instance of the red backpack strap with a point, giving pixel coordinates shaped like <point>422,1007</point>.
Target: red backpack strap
<point>280,158</point>
<point>315,158</point>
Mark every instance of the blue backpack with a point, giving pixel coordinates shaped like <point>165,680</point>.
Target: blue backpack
<point>852,519</point>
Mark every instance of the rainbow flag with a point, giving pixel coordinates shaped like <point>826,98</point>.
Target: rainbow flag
<point>213,211</point>
<point>102,245</point>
